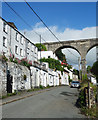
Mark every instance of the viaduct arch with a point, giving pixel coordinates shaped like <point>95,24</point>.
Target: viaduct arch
<point>81,46</point>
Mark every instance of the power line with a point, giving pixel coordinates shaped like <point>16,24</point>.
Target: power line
<point>45,24</point>
<point>31,27</point>
<point>72,53</point>
<point>23,20</point>
<point>41,20</point>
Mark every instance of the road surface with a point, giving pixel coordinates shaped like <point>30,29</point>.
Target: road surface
<point>57,103</point>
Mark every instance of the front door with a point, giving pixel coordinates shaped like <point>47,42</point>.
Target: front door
<point>9,82</point>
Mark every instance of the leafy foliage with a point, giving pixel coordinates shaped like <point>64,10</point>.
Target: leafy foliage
<point>23,61</point>
<point>4,58</point>
<point>88,69</point>
<point>84,77</point>
<point>53,64</point>
<point>69,67</point>
<point>76,72</point>
<point>41,47</point>
<point>60,55</point>
<point>94,69</point>
<point>81,99</point>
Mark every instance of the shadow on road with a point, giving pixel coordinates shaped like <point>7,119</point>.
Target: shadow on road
<point>69,94</point>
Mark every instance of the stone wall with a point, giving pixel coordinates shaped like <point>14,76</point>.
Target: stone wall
<point>3,79</point>
<point>19,82</point>
<point>89,95</point>
<point>21,76</point>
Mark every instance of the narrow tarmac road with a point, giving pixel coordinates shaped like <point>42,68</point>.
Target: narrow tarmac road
<point>57,103</point>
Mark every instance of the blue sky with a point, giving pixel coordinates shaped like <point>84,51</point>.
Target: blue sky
<point>68,20</point>
<point>77,15</point>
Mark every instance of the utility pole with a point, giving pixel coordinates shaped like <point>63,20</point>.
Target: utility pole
<point>40,59</point>
<point>40,49</point>
<point>79,67</point>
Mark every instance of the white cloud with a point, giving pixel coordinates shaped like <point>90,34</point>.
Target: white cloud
<point>67,34</point>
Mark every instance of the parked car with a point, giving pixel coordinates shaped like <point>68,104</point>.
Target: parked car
<point>75,84</point>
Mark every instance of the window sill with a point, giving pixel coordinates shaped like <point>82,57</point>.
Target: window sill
<point>4,31</point>
<point>16,53</point>
<point>4,46</point>
<point>21,43</point>
<point>17,40</point>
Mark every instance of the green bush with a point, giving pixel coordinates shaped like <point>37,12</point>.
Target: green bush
<point>11,59</point>
<point>70,80</point>
<point>4,58</point>
<point>81,99</point>
<point>15,61</point>
<point>41,47</point>
<point>11,94</point>
<point>41,87</point>
<point>53,64</point>
<point>84,77</point>
<point>89,111</point>
<point>30,90</point>
<point>48,86</point>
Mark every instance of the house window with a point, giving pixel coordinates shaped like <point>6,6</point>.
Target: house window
<point>21,40</point>
<point>35,50</point>
<point>16,49</point>
<point>48,56</point>
<point>29,45</point>
<point>21,52</point>
<point>5,27</point>
<point>4,42</point>
<point>16,36</point>
<point>32,48</point>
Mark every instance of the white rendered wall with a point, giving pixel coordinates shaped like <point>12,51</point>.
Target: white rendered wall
<point>46,54</point>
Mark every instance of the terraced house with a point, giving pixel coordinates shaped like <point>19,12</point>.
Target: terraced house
<point>12,42</point>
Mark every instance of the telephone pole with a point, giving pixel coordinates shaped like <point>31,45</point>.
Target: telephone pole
<point>40,49</point>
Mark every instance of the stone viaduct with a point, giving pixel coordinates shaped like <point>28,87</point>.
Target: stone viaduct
<point>81,46</point>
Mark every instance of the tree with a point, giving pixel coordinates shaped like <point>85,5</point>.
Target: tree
<point>61,56</point>
<point>94,69</point>
<point>41,47</point>
<point>89,69</point>
<point>76,72</point>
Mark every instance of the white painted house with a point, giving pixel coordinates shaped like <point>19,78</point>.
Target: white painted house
<point>13,42</point>
<point>47,54</point>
